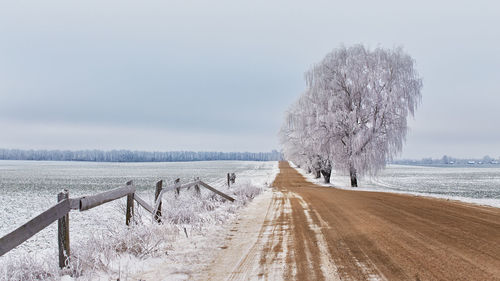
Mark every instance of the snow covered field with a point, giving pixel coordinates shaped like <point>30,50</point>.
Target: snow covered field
<point>102,247</point>
<point>478,185</point>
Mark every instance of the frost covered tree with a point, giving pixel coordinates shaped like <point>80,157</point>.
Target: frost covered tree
<point>302,140</point>
<point>361,99</point>
<point>297,143</point>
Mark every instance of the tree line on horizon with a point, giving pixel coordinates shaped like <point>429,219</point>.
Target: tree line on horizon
<point>134,156</point>
<point>447,160</point>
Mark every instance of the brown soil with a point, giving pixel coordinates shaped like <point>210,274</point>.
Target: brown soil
<point>338,234</point>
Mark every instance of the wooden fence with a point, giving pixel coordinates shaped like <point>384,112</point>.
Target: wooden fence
<point>60,212</point>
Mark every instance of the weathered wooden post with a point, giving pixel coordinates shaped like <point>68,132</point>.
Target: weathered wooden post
<point>159,187</point>
<point>63,233</point>
<point>130,206</point>
<point>197,187</point>
<point>228,180</point>
<point>177,184</point>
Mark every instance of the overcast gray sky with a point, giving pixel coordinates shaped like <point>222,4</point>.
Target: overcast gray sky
<point>218,75</point>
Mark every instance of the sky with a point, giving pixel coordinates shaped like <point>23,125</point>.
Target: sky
<point>219,75</point>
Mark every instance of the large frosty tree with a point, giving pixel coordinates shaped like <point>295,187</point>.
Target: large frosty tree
<point>360,100</point>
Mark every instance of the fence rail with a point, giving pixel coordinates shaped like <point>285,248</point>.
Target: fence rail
<point>61,210</point>
<point>32,227</point>
<point>89,202</point>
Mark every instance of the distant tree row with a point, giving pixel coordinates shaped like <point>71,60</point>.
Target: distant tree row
<point>134,156</point>
<point>448,160</point>
<point>353,115</point>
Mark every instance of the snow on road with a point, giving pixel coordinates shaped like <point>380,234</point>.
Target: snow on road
<point>261,243</point>
<point>238,258</point>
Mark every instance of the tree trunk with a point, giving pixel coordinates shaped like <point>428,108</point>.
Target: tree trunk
<point>354,178</point>
<point>317,174</point>
<point>326,175</point>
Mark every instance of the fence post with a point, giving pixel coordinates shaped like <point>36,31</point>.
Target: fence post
<point>228,179</point>
<point>177,184</point>
<point>130,206</point>
<point>63,233</point>
<point>197,187</point>
<point>159,187</point>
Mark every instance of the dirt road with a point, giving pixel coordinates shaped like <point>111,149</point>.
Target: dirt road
<point>319,233</point>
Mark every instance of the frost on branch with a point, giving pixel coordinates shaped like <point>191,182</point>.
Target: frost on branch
<point>353,114</point>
